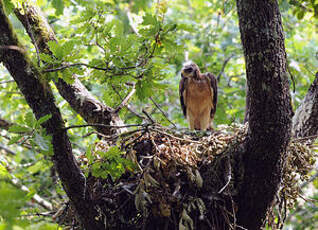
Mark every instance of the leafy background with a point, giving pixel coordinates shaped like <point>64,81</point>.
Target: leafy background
<point>142,42</point>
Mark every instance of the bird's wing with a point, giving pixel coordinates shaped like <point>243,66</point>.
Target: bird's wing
<point>182,90</point>
<point>214,87</point>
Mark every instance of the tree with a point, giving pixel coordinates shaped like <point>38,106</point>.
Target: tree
<point>258,161</point>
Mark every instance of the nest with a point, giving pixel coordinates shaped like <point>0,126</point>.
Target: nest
<point>152,176</point>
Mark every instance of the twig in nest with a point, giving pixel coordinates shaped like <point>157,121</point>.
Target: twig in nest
<point>229,176</point>
<point>305,138</point>
<point>163,113</point>
<point>177,138</point>
<point>102,125</point>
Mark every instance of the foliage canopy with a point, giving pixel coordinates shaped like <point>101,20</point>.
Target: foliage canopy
<point>115,45</point>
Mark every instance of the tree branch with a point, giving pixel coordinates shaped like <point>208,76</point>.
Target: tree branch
<point>7,150</point>
<point>305,120</point>
<point>163,112</point>
<point>36,198</point>
<point>41,101</point>
<point>125,100</point>
<point>73,65</point>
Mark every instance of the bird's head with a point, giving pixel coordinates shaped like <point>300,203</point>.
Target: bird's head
<point>190,70</point>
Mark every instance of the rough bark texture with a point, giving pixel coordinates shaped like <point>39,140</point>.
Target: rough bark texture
<point>305,121</point>
<point>76,94</point>
<point>247,105</point>
<point>41,101</point>
<point>270,109</point>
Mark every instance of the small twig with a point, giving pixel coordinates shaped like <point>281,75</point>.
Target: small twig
<point>8,81</point>
<point>128,106</point>
<point>72,65</point>
<point>102,125</point>
<point>148,116</point>
<point>125,100</point>
<point>164,114</point>
<point>309,181</point>
<point>46,214</point>
<point>7,150</point>
<point>10,47</point>
<point>229,176</point>
<point>177,138</point>
<point>223,67</point>
<point>36,198</point>
<point>305,138</point>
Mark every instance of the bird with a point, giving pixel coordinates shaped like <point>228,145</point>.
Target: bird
<point>198,96</point>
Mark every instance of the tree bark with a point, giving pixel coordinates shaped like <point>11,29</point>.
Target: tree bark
<point>41,101</point>
<point>305,121</point>
<point>76,94</point>
<point>270,109</point>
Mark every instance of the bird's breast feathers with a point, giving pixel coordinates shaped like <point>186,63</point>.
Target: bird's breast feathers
<point>198,94</point>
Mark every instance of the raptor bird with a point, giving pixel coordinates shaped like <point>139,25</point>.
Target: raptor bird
<point>198,96</point>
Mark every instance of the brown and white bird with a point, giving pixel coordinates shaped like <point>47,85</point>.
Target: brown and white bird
<point>198,96</point>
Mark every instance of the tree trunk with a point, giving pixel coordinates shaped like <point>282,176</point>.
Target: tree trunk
<point>41,101</point>
<point>270,109</point>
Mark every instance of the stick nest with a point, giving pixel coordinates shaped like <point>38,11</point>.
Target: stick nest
<point>163,185</point>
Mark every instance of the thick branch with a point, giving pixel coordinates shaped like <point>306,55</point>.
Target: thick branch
<point>305,120</point>
<point>270,109</point>
<point>41,101</point>
<point>76,94</point>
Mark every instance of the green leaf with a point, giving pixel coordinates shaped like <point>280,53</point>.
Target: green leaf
<point>9,6</point>
<point>59,6</point>
<point>46,58</point>
<point>56,49</point>
<point>149,19</point>
<point>43,119</point>
<point>19,129</point>
<point>300,14</point>
<point>29,119</point>
<point>37,167</point>
<point>68,47</point>
<point>11,201</point>
<point>89,154</point>
<point>144,89</point>
<point>3,171</point>
<point>43,142</point>
<point>14,140</point>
